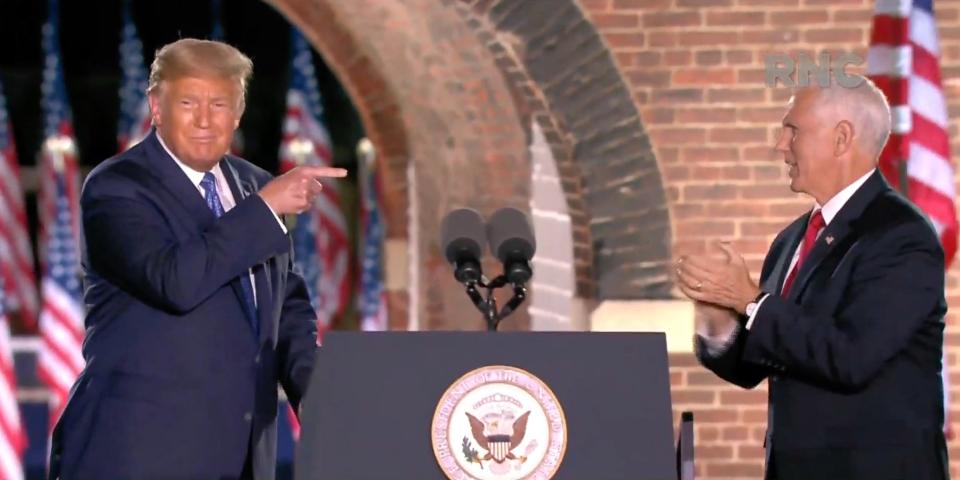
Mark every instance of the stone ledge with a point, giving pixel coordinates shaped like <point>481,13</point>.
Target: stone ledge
<point>673,317</point>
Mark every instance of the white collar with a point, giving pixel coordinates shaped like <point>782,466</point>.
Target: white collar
<point>194,175</point>
<point>830,209</point>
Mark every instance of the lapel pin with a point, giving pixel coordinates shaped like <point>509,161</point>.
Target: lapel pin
<point>829,239</point>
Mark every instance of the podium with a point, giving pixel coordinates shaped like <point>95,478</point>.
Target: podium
<point>383,406</point>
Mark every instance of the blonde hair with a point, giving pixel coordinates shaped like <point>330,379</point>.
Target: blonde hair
<point>193,57</point>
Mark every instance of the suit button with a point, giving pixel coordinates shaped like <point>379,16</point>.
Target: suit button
<point>247,417</point>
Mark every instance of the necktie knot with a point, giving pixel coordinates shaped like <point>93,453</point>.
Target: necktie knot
<point>816,222</point>
<point>209,183</point>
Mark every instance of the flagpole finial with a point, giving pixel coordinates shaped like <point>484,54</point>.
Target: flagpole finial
<point>59,146</point>
<point>366,152</point>
<point>300,149</point>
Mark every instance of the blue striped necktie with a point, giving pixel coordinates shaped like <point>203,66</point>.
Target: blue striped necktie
<point>209,185</point>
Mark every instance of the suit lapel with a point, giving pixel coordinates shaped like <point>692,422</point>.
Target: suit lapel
<point>774,281</point>
<point>261,272</point>
<point>836,233</point>
<point>171,176</point>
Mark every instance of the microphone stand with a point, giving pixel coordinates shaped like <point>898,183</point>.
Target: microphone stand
<point>488,305</point>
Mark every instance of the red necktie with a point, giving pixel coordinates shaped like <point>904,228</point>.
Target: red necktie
<point>809,238</point>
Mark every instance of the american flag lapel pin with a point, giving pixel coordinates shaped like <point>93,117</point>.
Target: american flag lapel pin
<point>829,239</point>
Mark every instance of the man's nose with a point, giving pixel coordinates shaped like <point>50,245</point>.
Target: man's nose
<point>202,117</point>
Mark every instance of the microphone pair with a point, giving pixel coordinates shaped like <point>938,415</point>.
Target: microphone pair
<point>508,233</point>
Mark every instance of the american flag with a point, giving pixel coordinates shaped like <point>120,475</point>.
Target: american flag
<point>134,123</point>
<point>16,254</point>
<point>61,316</point>
<point>372,298</point>
<point>903,62</point>
<point>13,439</point>
<point>216,10</point>
<point>322,252</point>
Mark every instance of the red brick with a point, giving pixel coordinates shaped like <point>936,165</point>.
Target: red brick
<point>705,433</point>
<point>704,379</point>
<point>677,58</point>
<point>735,18</point>
<point>625,39</point>
<point>663,39</point>
<point>703,3</point>
<point>675,136</point>
<point>710,452</point>
<point>738,135</point>
<point>834,3</point>
<point>689,397</point>
<point>704,228</point>
<point>638,4</point>
<point>704,76</point>
<point>751,452</point>
<point>775,37</point>
<point>765,191</point>
<point>683,360</point>
<point>834,35</point>
<point>743,397</point>
<point>760,114</point>
<point>675,96</point>
<point>766,173</point>
<point>676,173</point>
<point>739,57</point>
<point>755,416</point>
<point>658,115</point>
<point>677,380</point>
<point>760,227</point>
<point>736,95</point>
<point>709,192</point>
<point>738,469</point>
<point>736,210</point>
<point>697,38</point>
<point>705,115</point>
<point>735,433</point>
<point>790,18</point>
<point>616,20</point>
<point>709,57</point>
<point>708,154</point>
<point>718,415</point>
<point>648,78</point>
<point>861,16</point>
<point>595,5</point>
<point>671,19</point>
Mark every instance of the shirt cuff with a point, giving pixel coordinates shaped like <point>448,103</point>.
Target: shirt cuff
<point>755,310</point>
<point>718,343</point>
<point>279,220</point>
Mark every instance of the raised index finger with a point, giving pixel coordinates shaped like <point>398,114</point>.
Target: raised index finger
<point>323,172</point>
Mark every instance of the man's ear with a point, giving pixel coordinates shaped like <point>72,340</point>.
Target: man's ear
<point>154,109</point>
<point>843,137</point>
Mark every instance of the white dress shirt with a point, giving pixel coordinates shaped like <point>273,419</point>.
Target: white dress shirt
<point>223,190</point>
<point>717,343</point>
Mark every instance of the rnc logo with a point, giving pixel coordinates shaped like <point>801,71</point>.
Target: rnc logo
<point>780,66</point>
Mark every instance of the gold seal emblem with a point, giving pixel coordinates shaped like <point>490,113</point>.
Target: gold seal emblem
<point>499,423</point>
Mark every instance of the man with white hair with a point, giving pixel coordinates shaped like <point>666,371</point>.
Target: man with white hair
<point>846,322</point>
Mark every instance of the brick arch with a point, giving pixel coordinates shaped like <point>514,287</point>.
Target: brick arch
<point>564,74</point>
<point>440,115</point>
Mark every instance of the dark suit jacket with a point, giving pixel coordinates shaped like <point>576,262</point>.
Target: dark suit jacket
<point>853,355</point>
<point>177,386</point>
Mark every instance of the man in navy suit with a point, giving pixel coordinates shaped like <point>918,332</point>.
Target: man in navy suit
<point>195,315</point>
<point>847,320</point>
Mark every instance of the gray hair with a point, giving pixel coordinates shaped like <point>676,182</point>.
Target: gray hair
<point>865,106</point>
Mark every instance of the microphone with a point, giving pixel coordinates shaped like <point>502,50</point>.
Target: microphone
<point>512,242</point>
<point>461,237</point>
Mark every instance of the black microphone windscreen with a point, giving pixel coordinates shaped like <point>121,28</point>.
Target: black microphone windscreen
<point>462,234</point>
<point>510,235</point>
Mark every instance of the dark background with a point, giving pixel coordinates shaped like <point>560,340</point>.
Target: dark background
<point>90,39</point>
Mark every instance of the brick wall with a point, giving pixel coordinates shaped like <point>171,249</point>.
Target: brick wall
<point>695,70</point>
<point>691,152</point>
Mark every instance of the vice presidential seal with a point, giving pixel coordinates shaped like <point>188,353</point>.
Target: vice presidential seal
<point>499,423</point>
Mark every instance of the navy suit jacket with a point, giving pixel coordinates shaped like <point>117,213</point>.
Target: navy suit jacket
<point>177,385</point>
<point>853,354</point>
